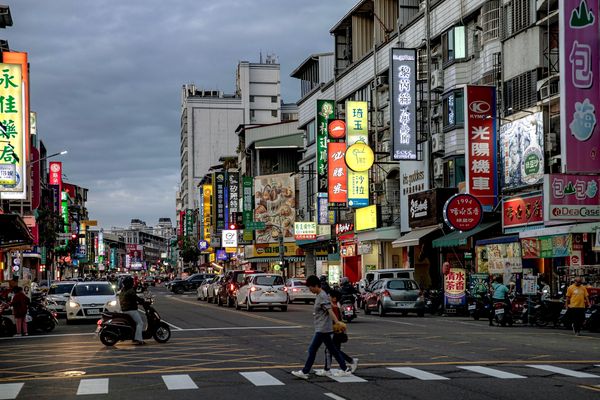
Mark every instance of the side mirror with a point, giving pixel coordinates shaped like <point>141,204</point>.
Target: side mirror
<point>67,294</point>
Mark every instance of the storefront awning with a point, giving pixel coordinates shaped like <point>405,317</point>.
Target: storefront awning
<point>498,240</point>
<point>295,141</point>
<point>14,232</point>
<point>274,259</point>
<point>414,237</point>
<point>385,234</point>
<point>589,227</point>
<point>459,238</point>
<point>547,231</point>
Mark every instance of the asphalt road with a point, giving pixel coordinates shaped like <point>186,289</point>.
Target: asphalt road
<point>222,353</point>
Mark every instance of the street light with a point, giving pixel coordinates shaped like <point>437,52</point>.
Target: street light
<point>50,156</point>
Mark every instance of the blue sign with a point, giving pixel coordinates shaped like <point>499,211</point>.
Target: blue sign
<point>203,245</point>
<point>221,255</point>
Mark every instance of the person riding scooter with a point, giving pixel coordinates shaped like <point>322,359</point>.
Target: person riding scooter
<point>129,305</point>
<point>500,295</point>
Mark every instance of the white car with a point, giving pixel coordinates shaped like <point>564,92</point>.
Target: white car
<point>262,290</point>
<point>58,295</point>
<point>202,291</point>
<point>89,299</point>
<point>298,291</point>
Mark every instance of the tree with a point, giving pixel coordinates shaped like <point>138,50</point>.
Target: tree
<point>189,252</point>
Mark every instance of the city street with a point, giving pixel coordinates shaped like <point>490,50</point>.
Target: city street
<point>227,354</point>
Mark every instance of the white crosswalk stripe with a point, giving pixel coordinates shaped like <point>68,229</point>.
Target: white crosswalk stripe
<point>419,374</point>
<point>348,379</point>
<point>563,371</point>
<point>261,378</point>
<point>9,391</point>
<point>92,386</point>
<point>179,382</point>
<point>492,372</point>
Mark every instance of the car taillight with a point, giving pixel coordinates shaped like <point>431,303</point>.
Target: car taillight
<point>386,294</point>
<point>254,289</point>
<point>283,288</point>
<point>54,314</point>
<point>295,289</point>
<point>99,322</point>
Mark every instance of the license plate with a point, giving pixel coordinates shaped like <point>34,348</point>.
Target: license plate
<point>588,315</point>
<point>472,307</point>
<point>499,311</point>
<point>269,294</point>
<point>403,305</point>
<point>563,312</point>
<point>92,312</point>
<point>348,312</point>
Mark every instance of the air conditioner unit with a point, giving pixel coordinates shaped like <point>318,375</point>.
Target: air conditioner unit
<point>381,81</point>
<point>436,112</point>
<point>437,143</point>
<point>438,168</point>
<point>437,79</point>
<point>376,187</point>
<point>384,147</point>
<point>436,52</point>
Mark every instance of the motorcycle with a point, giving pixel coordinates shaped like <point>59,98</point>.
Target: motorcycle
<point>480,306</point>
<point>7,327</point>
<point>120,326</point>
<point>592,318</point>
<point>348,309</point>
<point>40,318</point>
<point>547,312</point>
<point>502,314</point>
<point>519,309</point>
<point>434,302</point>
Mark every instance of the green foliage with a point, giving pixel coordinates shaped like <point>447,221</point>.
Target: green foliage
<point>189,252</point>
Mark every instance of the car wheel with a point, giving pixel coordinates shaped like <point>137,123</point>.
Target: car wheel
<point>180,291</point>
<point>381,310</point>
<point>367,310</point>
<point>248,307</point>
<point>284,308</point>
<point>237,305</point>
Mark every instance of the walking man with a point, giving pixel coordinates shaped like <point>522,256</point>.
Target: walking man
<point>577,301</point>
<point>323,320</point>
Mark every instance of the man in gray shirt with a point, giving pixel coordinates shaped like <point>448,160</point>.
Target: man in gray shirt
<point>323,320</point>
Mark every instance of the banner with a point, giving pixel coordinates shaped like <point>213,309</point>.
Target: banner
<point>219,180</point>
<point>414,178</point>
<point>454,287</point>
<point>337,178</point>
<point>325,112</point>
<point>357,127</point>
<point>571,197</point>
<point>523,210</point>
<point>275,204</point>
<point>579,48</point>
<point>480,144</point>
<point>207,195</point>
<point>403,97</point>
<point>234,194</point>
<point>305,230</point>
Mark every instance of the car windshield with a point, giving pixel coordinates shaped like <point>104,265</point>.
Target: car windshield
<point>61,289</point>
<point>93,289</point>
<point>239,278</point>
<point>402,285</point>
<point>268,280</point>
<point>298,283</point>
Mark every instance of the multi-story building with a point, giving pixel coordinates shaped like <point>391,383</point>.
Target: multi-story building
<point>143,245</point>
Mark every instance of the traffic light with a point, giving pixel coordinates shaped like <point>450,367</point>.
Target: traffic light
<point>74,236</point>
<point>233,227</point>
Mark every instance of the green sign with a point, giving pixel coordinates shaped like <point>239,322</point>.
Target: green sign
<point>324,114</point>
<point>555,246</point>
<point>256,225</point>
<point>65,211</point>
<point>248,205</point>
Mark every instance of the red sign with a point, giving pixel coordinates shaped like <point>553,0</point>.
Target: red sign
<point>337,129</point>
<point>520,211</point>
<point>463,212</point>
<point>340,229</point>
<point>55,177</point>
<point>480,144</point>
<point>337,178</point>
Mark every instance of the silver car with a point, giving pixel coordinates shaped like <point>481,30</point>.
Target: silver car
<point>202,291</point>
<point>213,289</point>
<point>57,296</point>
<point>298,291</point>
<point>395,295</point>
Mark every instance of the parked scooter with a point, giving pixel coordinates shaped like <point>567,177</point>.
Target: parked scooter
<point>547,312</point>
<point>7,326</point>
<point>434,302</point>
<point>480,306</point>
<point>502,314</point>
<point>41,318</point>
<point>592,317</point>
<point>114,327</point>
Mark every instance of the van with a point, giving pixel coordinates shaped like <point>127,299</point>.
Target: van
<point>377,274</point>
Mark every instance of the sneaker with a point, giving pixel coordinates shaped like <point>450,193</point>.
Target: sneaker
<point>354,364</point>
<point>574,331</point>
<point>300,374</point>
<point>323,372</point>
<point>340,373</point>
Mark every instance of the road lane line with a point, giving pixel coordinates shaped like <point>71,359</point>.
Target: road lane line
<point>419,374</point>
<point>392,322</point>
<point>9,391</point>
<point>563,371</point>
<point>334,396</point>
<point>92,386</point>
<point>492,372</point>
<point>261,378</point>
<point>239,328</point>
<point>179,382</point>
<point>46,336</point>
<point>348,379</point>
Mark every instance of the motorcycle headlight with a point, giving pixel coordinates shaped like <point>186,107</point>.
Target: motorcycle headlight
<point>73,304</point>
<point>112,303</point>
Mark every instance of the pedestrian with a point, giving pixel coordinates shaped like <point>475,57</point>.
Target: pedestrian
<point>20,305</point>
<point>340,335</point>
<point>577,301</point>
<point>324,318</point>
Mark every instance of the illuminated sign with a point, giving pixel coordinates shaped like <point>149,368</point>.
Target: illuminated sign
<point>365,218</point>
<point>403,97</point>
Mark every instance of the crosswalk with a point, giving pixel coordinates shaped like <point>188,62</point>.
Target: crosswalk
<point>101,386</point>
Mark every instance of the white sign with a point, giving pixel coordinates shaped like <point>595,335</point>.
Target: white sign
<point>529,285</point>
<point>596,246</point>
<point>413,179</point>
<point>229,238</point>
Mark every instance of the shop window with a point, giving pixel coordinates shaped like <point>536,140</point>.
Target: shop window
<point>274,113</point>
<point>310,132</point>
<point>454,115</point>
<point>454,172</point>
<point>454,44</point>
<point>273,99</point>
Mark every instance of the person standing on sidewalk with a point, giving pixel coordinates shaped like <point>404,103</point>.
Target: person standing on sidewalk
<point>323,320</point>
<point>577,301</point>
<point>20,305</point>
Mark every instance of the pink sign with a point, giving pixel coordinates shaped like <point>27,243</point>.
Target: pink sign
<point>463,212</point>
<point>574,197</point>
<point>580,90</point>
<point>480,144</point>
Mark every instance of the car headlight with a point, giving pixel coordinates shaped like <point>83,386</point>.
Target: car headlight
<point>112,303</point>
<point>73,304</point>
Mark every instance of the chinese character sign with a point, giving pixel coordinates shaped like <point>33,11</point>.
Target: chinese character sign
<point>579,47</point>
<point>234,193</point>
<point>322,209</point>
<point>522,211</point>
<point>480,144</point>
<point>207,195</point>
<point>357,128</point>
<point>337,179</point>
<point>572,197</point>
<point>12,125</point>
<point>403,102</point>
<point>325,113</point>
<point>305,230</point>
<point>219,179</point>
<point>454,286</point>
<point>463,212</point>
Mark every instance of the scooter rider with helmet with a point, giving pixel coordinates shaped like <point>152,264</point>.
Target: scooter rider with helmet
<point>346,289</point>
<point>129,305</point>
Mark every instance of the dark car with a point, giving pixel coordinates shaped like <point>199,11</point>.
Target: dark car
<point>226,294</point>
<point>150,280</point>
<point>191,283</point>
<point>395,295</point>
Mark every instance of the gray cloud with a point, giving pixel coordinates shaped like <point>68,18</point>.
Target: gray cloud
<point>106,78</point>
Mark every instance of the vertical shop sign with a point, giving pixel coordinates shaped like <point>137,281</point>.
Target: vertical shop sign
<point>219,201</point>
<point>480,144</point>
<point>357,127</point>
<point>207,194</point>
<point>234,193</point>
<point>403,96</point>
<point>413,179</point>
<point>322,209</point>
<point>65,210</point>
<point>325,113</point>
<point>579,47</point>
<point>248,205</point>
<point>337,178</point>
<point>454,287</point>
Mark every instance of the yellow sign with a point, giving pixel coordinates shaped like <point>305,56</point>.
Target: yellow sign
<point>365,218</point>
<point>90,222</point>
<point>212,257</point>
<point>230,249</point>
<point>360,157</point>
<point>357,122</point>
<point>12,134</point>
<point>207,191</point>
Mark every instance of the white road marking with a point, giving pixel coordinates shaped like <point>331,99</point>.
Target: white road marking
<point>9,391</point>
<point>347,379</point>
<point>334,396</point>
<point>492,372</point>
<point>46,336</point>
<point>171,325</point>
<point>392,322</point>
<point>92,386</point>
<point>179,382</point>
<point>261,378</point>
<point>240,328</point>
<point>419,374</point>
<point>564,371</point>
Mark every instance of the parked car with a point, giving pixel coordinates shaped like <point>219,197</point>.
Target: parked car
<point>150,280</point>
<point>213,289</point>
<point>58,296</point>
<point>395,295</point>
<point>191,283</point>
<point>202,291</point>
<point>362,296</point>
<point>298,291</point>
<point>226,294</point>
<point>88,300</point>
<point>262,290</point>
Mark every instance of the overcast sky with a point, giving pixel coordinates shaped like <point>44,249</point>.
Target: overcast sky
<point>106,80</point>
